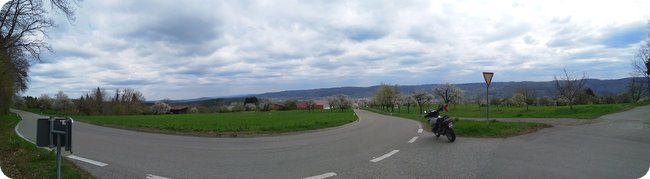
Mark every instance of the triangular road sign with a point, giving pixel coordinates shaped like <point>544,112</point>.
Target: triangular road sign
<point>488,77</point>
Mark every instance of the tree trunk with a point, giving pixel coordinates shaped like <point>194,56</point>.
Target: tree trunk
<point>647,77</point>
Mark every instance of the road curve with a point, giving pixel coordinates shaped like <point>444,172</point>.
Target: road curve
<point>131,154</point>
<point>377,146</point>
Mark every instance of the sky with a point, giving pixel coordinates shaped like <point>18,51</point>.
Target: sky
<point>206,48</point>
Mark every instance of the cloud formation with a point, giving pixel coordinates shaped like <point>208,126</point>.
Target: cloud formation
<point>197,48</point>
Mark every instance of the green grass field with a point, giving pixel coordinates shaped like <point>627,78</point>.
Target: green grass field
<point>21,159</point>
<point>469,128</point>
<point>218,124</point>
<point>579,111</point>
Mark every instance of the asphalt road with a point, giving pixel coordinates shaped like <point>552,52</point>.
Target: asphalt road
<point>376,146</point>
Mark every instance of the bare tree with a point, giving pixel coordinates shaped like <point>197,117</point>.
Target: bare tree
<point>67,7</point>
<point>311,104</point>
<point>63,103</point>
<point>406,100</point>
<point>635,90</point>
<point>568,86</point>
<point>641,62</point>
<point>21,22</point>
<point>133,100</point>
<point>23,25</point>
<point>421,97</point>
<point>448,93</point>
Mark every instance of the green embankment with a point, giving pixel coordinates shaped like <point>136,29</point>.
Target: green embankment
<point>21,159</point>
<point>578,111</point>
<point>469,128</point>
<point>218,124</point>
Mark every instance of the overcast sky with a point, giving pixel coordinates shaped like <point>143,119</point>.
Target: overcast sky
<point>191,48</point>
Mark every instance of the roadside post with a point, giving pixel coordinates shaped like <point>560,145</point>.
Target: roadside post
<point>55,132</point>
<point>488,78</point>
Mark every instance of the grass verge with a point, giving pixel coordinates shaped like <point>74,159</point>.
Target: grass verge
<point>227,124</point>
<point>469,128</point>
<point>21,159</point>
<point>579,111</point>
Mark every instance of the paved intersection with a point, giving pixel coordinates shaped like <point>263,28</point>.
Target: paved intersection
<point>376,146</point>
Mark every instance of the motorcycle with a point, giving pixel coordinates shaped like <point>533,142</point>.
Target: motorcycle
<point>441,125</point>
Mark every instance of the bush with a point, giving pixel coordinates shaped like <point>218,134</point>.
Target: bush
<point>160,108</point>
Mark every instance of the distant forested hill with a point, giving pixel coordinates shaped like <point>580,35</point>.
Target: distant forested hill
<point>497,89</point>
<point>471,90</point>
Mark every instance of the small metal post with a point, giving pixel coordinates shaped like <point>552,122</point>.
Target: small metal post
<point>51,134</point>
<point>58,156</point>
<point>487,89</point>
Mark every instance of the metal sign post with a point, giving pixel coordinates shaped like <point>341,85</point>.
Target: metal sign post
<point>55,132</point>
<point>488,78</point>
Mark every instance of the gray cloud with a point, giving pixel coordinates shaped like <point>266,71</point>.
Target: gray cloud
<point>176,28</point>
<point>625,35</point>
<point>130,82</point>
<point>218,48</point>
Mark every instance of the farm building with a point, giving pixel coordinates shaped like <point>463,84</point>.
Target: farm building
<point>302,105</point>
<point>317,105</point>
<point>322,105</point>
<point>180,110</point>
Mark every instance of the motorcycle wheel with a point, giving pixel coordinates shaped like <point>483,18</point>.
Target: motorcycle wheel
<point>451,136</point>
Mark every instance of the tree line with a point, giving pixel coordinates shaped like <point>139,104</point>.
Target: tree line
<point>127,101</point>
<point>569,90</point>
<point>388,97</point>
<point>252,103</point>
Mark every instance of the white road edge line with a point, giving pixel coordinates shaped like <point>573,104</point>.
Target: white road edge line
<point>322,176</point>
<point>413,139</point>
<point>150,176</point>
<point>101,164</point>
<point>419,131</point>
<point>384,156</point>
<point>21,135</point>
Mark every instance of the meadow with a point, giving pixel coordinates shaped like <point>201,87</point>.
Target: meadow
<point>470,128</point>
<point>232,124</point>
<point>474,111</point>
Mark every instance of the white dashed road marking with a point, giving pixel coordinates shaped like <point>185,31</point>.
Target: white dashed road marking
<point>325,175</point>
<point>384,156</point>
<point>419,130</point>
<point>150,176</point>
<point>413,139</point>
<point>87,160</point>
